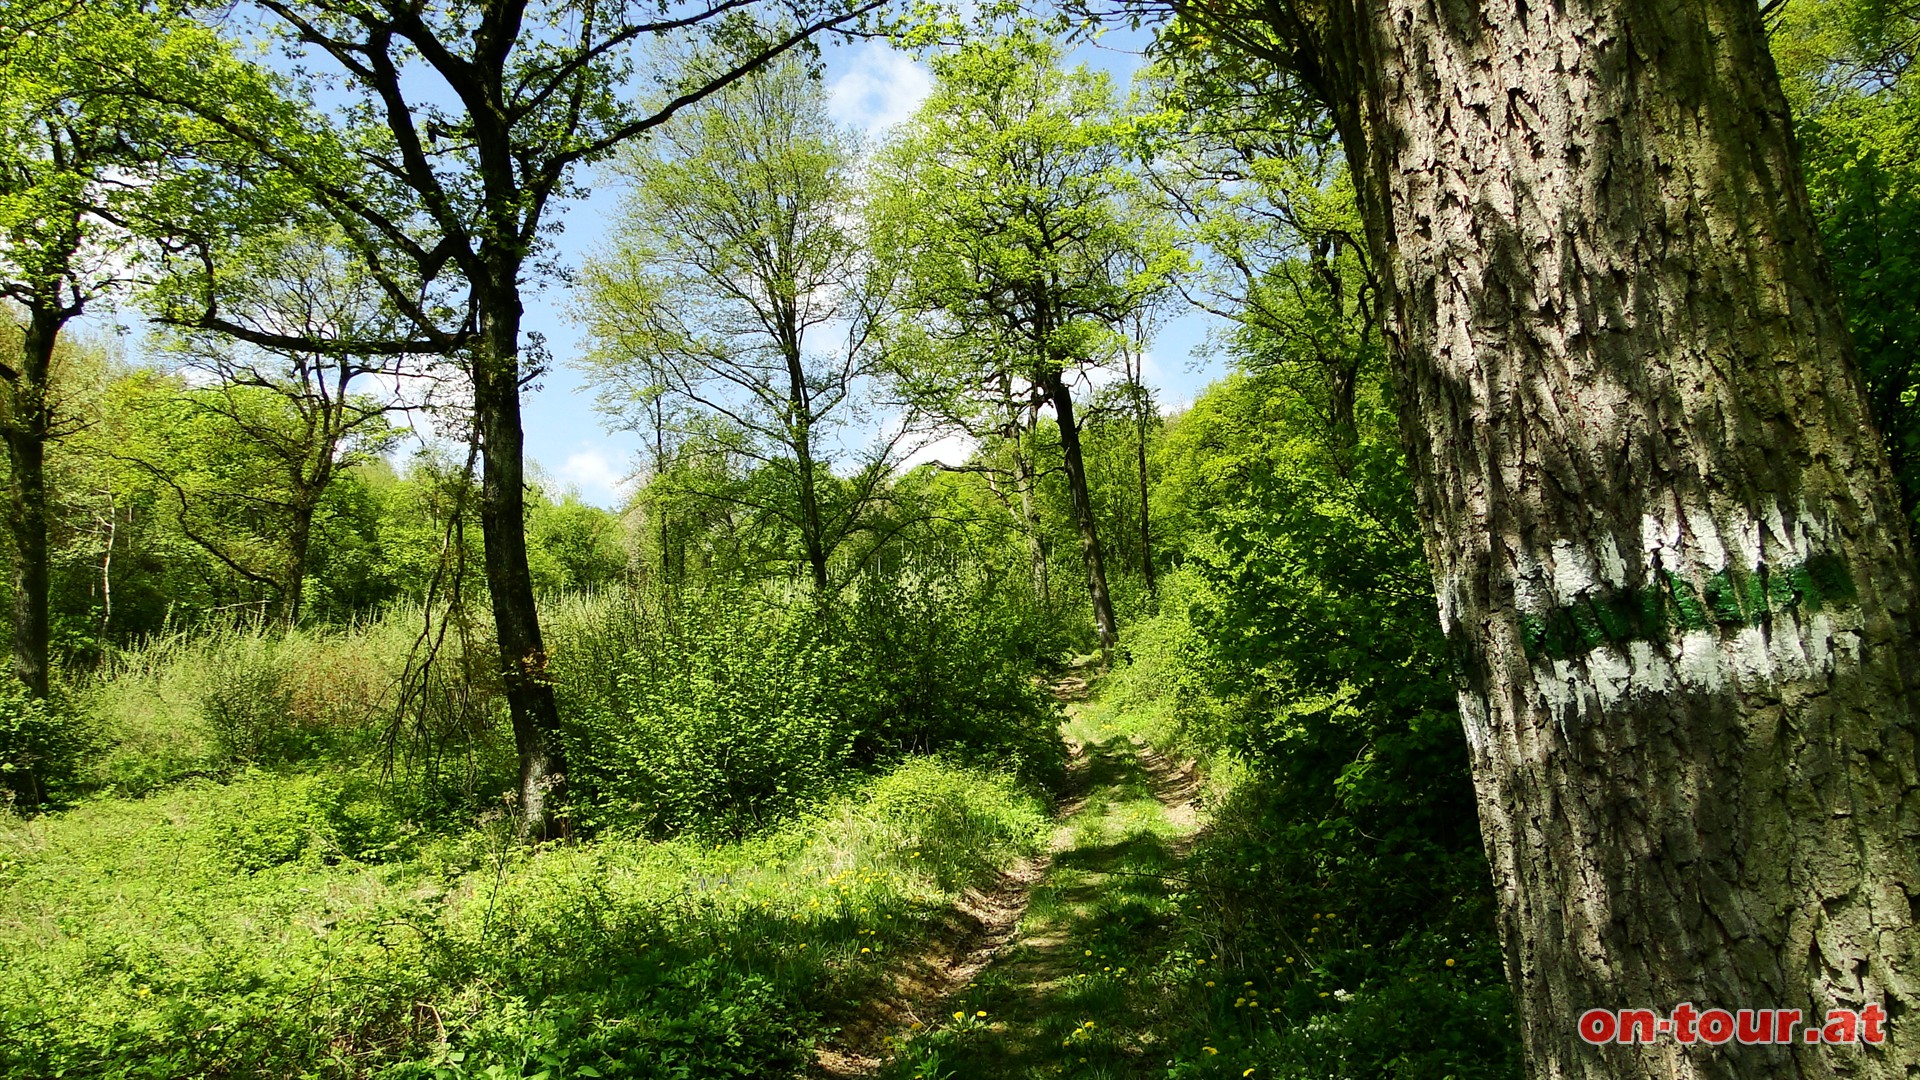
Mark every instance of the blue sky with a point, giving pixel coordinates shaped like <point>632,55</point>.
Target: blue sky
<point>871,86</point>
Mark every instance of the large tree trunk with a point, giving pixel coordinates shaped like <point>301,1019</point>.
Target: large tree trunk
<point>523,656</point>
<point>1055,386</point>
<point>28,424</point>
<point>1668,551</point>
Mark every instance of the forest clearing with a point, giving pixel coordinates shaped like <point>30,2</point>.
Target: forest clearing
<point>1491,650</point>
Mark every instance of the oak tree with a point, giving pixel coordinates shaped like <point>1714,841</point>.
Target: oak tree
<point>1668,550</point>
<point>441,140</point>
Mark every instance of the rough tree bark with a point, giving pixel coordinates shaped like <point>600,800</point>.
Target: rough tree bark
<point>299,543</point>
<point>1020,436</point>
<point>516,619</point>
<point>1668,550</point>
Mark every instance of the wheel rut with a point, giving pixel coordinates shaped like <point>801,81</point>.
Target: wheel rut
<point>1127,822</point>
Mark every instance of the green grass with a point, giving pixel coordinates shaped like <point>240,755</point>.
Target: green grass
<point>1076,995</point>
<point>235,930</point>
<point>1152,950</point>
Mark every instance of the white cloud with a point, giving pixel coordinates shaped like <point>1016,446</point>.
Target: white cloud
<point>881,87</point>
<point>599,480</point>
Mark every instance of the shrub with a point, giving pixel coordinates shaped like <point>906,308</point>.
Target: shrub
<point>40,745</point>
<point>328,817</point>
<point>721,726</point>
<point>952,656</point>
<point>723,712</point>
<point>1169,678</point>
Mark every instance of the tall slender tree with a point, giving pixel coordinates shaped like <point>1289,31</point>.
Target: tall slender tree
<point>1008,195</point>
<point>74,148</point>
<point>730,267</point>
<point>1667,546</point>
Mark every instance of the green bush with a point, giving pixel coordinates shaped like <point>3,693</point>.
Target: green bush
<point>41,745</point>
<point>1168,678</point>
<point>325,817</point>
<point>247,702</point>
<point>726,724</point>
<point>952,658</point>
<point>723,712</point>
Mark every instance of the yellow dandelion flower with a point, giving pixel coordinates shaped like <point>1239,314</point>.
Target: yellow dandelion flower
<point>1449,961</point>
<point>959,1016</point>
<point>1209,982</point>
<point>982,1014</point>
<point>1209,1050</point>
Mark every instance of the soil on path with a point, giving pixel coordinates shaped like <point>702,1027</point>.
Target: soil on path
<point>1045,953</point>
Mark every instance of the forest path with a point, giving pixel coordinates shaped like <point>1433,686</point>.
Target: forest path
<point>1044,988</point>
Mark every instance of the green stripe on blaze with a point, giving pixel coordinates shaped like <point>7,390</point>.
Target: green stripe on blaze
<point>1729,599</point>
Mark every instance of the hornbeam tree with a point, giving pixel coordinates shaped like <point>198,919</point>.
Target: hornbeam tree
<point>451,132</point>
<point>1667,547</point>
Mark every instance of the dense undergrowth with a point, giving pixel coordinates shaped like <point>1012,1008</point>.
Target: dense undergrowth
<point>230,930</point>
<point>269,861</point>
<point>1341,882</point>
<point>1335,917</point>
<point>1299,942</point>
